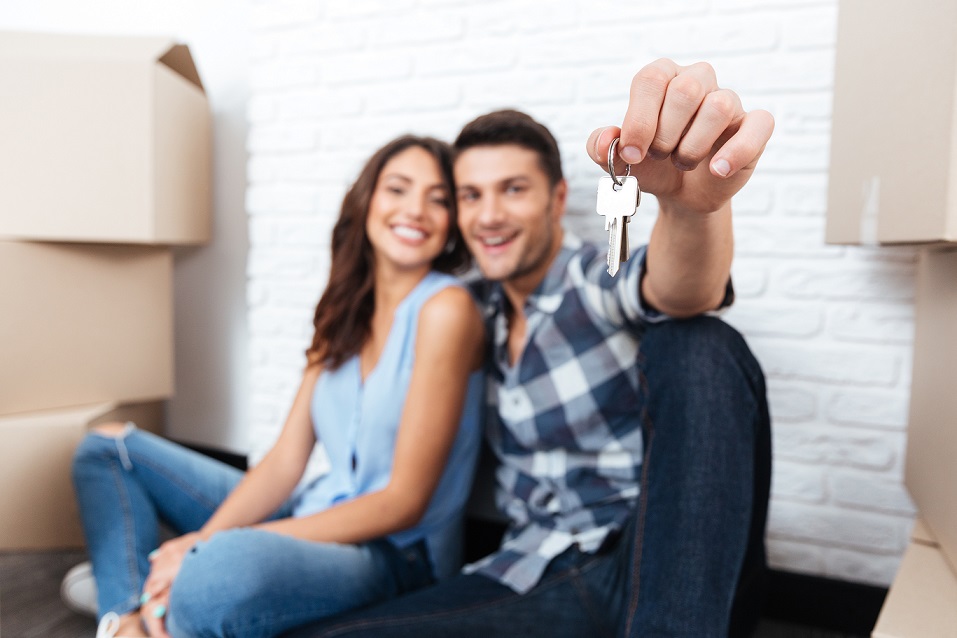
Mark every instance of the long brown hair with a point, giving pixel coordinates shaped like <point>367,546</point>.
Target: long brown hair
<point>344,313</point>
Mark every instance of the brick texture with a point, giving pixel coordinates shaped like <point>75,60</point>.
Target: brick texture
<point>831,325</point>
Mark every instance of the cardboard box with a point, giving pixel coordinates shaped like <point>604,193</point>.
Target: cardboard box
<point>38,509</point>
<point>104,140</point>
<point>931,465</point>
<point>922,601</point>
<point>893,172</point>
<point>84,323</point>
<point>921,534</point>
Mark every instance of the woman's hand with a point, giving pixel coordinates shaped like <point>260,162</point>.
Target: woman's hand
<point>153,615</point>
<point>165,563</point>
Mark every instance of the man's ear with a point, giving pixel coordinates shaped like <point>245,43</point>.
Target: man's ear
<point>559,198</point>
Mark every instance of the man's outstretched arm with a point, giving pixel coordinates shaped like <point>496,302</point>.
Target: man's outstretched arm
<point>693,146</point>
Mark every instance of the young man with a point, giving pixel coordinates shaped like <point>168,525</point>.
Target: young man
<point>627,444</point>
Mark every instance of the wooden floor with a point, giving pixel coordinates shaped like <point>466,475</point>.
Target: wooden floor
<point>30,604</point>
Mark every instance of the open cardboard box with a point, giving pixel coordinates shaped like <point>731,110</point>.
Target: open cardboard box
<point>84,323</point>
<point>105,139</point>
<point>38,509</point>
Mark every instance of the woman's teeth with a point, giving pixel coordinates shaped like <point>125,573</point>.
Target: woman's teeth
<point>407,232</point>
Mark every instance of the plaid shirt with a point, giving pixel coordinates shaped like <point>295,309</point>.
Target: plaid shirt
<point>564,421</point>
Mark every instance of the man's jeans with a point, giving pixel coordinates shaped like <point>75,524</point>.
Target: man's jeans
<point>241,582</point>
<point>697,537</point>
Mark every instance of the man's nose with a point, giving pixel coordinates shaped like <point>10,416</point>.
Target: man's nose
<point>490,211</point>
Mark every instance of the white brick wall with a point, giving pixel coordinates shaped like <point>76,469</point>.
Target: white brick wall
<point>831,325</point>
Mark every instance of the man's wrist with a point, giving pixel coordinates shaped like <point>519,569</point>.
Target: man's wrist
<point>676,209</point>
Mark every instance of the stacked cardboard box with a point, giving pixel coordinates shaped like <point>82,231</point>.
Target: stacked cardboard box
<point>931,468</point>
<point>893,129</point>
<point>893,181</point>
<point>36,448</point>
<point>105,165</point>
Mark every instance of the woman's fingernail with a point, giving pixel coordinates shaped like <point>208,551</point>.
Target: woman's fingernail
<point>153,554</point>
<point>631,154</point>
<point>721,167</point>
<point>144,598</point>
<point>159,611</point>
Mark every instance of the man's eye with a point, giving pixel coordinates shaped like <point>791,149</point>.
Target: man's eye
<point>514,189</point>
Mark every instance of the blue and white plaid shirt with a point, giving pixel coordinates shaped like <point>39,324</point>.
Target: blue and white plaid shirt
<point>564,422</point>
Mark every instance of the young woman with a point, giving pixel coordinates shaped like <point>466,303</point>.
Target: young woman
<point>389,390</point>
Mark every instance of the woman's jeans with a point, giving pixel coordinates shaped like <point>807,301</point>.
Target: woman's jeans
<point>242,582</point>
<point>695,543</point>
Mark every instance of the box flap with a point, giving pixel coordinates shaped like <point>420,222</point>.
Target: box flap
<point>179,60</point>
<point>51,46</point>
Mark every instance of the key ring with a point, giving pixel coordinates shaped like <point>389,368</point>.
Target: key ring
<point>611,165</point>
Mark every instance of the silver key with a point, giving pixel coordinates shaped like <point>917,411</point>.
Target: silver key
<point>617,204</point>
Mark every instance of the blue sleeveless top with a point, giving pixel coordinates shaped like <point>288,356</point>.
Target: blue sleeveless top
<point>357,423</point>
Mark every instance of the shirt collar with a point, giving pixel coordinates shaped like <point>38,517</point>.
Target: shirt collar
<point>550,293</point>
<point>546,298</point>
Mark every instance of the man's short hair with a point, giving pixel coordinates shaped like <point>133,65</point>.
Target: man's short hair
<point>509,126</point>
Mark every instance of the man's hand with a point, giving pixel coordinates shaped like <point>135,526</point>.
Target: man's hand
<point>693,146</point>
<point>690,143</point>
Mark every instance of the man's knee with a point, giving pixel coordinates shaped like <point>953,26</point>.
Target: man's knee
<point>704,384</point>
<point>697,353</point>
<point>702,336</point>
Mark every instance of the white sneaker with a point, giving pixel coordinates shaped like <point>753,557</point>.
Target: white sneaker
<point>109,624</point>
<point>78,590</point>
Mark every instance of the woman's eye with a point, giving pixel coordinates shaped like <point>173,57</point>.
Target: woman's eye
<point>395,190</point>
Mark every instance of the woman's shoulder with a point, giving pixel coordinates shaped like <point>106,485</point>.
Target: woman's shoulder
<point>450,302</point>
<point>450,321</point>
<point>440,289</point>
<point>437,281</point>
<point>447,305</point>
